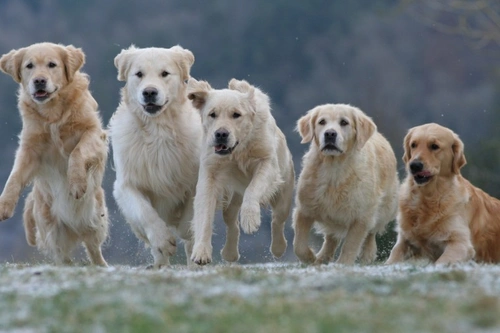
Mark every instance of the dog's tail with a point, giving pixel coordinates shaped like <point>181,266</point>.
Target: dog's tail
<point>29,220</point>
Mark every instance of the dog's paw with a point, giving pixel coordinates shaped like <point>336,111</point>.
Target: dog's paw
<point>278,247</point>
<point>77,188</point>
<point>202,254</point>
<point>230,255</point>
<point>6,210</point>
<point>250,217</point>
<point>306,255</point>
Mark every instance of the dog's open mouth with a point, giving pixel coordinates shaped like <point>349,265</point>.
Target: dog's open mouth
<point>41,95</point>
<point>221,149</point>
<point>330,148</point>
<point>152,108</point>
<point>422,177</point>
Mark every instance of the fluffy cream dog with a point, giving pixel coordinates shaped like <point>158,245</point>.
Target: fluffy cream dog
<point>245,162</point>
<point>62,150</point>
<point>156,138</point>
<point>348,184</point>
<point>442,216</point>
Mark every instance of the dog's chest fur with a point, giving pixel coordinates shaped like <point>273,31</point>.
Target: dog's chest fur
<point>333,193</point>
<point>155,159</point>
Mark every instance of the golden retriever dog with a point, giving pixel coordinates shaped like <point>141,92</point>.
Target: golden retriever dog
<point>156,139</point>
<point>62,151</point>
<point>442,217</point>
<point>245,162</point>
<point>348,185</point>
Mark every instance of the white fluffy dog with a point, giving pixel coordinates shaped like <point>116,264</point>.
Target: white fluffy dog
<point>245,162</point>
<point>156,138</point>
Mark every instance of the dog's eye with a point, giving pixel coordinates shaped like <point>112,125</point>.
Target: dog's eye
<point>164,74</point>
<point>212,114</point>
<point>413,145</point>
<point>29,66</point>
<point>52,64</point>
<point>434,146</point>
<point>236,115</point>
<point>344,122</point>
<point>138,74</point>
<point>322,122</point>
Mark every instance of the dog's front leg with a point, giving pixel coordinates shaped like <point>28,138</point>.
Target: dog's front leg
<point>205,203</point>
<point>352,244</point>
<point>26,163</point>
<point>88,153</point>
<point>139,212</point>
<point>458,249</point>
<point>256,193</point>
<point>399,251</point>
<point>302,226</point>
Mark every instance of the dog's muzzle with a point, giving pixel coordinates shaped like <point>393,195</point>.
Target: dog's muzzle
<point>149,97</point>
<point>420,175</point>
<point>330,142</point>
<point>221,138</point>
<point>41,94</point>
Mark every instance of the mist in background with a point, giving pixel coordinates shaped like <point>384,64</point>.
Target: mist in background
<point>404,63</point>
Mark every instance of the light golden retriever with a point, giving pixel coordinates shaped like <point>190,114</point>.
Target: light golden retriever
<point>348,184</point>
<point>245,162</point>
<point>62,150</point>
<point>442,216</point>
<point>156,137</point>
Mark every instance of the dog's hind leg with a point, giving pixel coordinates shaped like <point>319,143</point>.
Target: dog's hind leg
<point>94,238</point>
<point>369,251</point>
<point>29,220</point>
<point>281,205</point>
<point>327,252</point>
<point>230,214</point>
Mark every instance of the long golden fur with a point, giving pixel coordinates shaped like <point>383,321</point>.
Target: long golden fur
<point>156,138</point>
<point>245,162</point>
<point>442,216</point>
<point>348,184</point>
<point>62,150</point>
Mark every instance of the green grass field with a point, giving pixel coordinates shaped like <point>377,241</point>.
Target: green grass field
<point>250,298</point>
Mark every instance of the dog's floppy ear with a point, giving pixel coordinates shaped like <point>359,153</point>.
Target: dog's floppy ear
<point>244,87</point>
<point>458,155</point>
<point>406,146</point>
<point>198,92</point>
<point>365,127</point>
<point>10,63</point>
<point>305,126</point>
<point>185,61</point>
<point>73,59</point>
<point>240,85</point>
<point>123,61</point>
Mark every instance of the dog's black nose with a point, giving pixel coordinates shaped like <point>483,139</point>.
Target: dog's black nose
<point>40,83</point>
<point>150,95</point>
<point>416,166</point>
<point>330,135</point>
<point>221,135</point>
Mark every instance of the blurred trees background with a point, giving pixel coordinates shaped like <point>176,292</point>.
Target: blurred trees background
<point>403,62</point>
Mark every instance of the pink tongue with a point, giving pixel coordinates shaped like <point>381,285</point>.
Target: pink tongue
<point>40,93</point>
<point>220,147</point>
<point>424,174</point>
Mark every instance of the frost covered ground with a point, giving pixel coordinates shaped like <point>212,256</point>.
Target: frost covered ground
<point>251,298</point>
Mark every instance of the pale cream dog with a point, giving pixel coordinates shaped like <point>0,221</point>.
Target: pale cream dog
<point>156,136</point>
<point>442,216</point>
<point>62,150</point>
<point>245,162</point>
<point>348,184</point>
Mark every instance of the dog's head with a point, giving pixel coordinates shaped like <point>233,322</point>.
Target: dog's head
<point>156,77</point>
<point>43,69</point>
<point>227,114</point>
<point>432,150</point>
<point>336,128</point>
